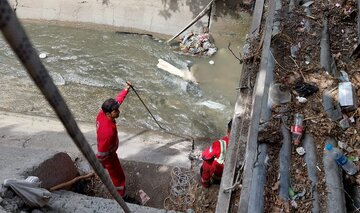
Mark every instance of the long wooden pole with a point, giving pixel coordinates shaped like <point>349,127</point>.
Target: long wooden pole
<point>201,14</point>
<point>18,40</point>
<point>70,182</point>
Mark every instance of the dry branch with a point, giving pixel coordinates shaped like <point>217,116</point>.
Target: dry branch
<point>70,182</point>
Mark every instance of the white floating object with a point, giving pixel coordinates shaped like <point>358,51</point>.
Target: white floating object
<point>185,74</point>
<point>57,78</point>
<point>211,62</point>
<point>300,150</point>
<point>212,105</point>
<point>42,55</point>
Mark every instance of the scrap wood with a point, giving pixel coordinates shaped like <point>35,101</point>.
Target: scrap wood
<point>69,183</point>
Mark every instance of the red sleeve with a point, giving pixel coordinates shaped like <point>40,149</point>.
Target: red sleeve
<point>121,96</point>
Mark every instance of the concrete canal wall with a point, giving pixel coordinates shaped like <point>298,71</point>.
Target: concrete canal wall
<point>158,16</point>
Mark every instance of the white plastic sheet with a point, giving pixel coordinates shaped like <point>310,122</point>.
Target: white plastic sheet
<point>29,190</point>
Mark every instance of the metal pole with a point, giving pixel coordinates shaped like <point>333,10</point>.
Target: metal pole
<point>145,106</point>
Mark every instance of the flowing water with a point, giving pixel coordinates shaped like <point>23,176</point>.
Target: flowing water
<point>90,65</point>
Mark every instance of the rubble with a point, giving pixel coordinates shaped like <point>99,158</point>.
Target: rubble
<point>201,44</point>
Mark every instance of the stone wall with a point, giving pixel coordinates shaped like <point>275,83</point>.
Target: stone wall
<point>159,16</point>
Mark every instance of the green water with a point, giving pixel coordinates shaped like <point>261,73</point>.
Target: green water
<point>90,66</point>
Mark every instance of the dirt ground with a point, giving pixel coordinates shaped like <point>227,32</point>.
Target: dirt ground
<point>168,188</point>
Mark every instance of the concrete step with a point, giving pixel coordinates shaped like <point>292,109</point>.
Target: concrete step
<point>157,147</point>
<point>69,202</point>
<point>38,146</point>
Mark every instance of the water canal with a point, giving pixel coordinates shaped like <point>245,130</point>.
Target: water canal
<point>91,65</point>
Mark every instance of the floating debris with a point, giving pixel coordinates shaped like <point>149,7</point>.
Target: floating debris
<point>198,44</point>
<point>42,55</point>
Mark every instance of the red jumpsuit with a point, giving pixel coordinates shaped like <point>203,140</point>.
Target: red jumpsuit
<point>107,144</point>
<point>214,158</point>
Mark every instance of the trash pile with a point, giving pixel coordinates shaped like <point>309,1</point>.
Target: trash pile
<point>198,44</point>
<point>319,101</point>
<point>187,194</point>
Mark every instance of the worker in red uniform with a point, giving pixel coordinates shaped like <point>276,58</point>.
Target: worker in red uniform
<point>108,141</point>
<point>213,160</point>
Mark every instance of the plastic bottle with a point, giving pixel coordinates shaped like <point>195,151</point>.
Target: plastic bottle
<point>297,128</point>
<point>341,159</point>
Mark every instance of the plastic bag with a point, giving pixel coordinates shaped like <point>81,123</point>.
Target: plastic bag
<point>30,191</point>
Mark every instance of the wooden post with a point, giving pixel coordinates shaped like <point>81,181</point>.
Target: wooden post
<point>201,14</point>
<point>70,182</point>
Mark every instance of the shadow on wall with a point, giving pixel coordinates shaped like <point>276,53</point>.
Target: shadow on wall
<point>223,7</point>
<point>106,2</point>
